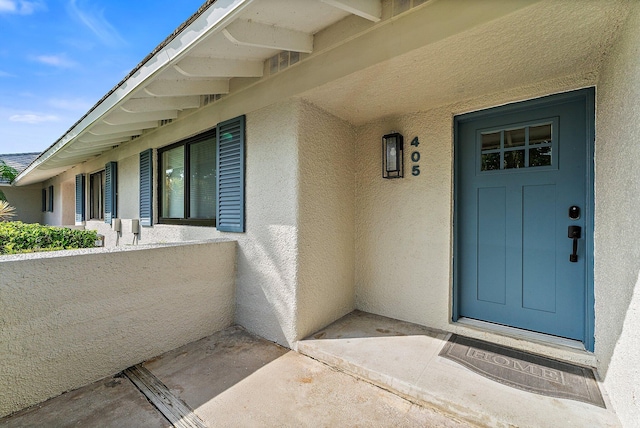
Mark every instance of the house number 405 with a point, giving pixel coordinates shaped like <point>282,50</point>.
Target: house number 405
<point>415,157</point>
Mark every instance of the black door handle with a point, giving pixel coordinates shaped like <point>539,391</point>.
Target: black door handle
<point>575,233</point>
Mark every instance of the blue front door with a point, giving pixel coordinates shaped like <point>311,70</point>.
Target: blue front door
<point>523,176</point>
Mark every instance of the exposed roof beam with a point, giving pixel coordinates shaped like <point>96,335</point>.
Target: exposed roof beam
<point>90,138</point>
<point>367,9</point>
<point>94,146</point>
<point>175,88</point>
<point>122,118</point>
<point>219,67</point>
<point>65,156</point>
<point>139,105</point>
<point>248,33</point>
<point>106,129</point>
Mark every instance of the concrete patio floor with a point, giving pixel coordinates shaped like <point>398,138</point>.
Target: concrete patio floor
<point>403,358</point>
<point>362,370</point>
<point>235,379</point>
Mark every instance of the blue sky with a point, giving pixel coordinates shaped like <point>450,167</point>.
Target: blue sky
<point>59,57</point>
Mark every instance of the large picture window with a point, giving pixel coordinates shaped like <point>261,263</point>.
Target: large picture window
<point>187,181</point>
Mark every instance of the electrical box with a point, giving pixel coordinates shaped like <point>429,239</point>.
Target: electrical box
<point>135,226</point>
<point>116,225</point>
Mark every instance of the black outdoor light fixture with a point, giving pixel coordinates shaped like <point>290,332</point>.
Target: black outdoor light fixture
<point>392,156</point>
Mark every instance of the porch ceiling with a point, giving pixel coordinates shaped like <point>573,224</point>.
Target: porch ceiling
<point>547,40</point>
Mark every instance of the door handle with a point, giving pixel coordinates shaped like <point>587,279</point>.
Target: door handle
<point>575,233</point>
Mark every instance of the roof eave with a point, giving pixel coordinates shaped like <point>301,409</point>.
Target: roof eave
<point>206,20</point>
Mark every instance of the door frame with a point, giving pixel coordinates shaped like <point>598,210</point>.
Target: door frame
<point>588,96</point>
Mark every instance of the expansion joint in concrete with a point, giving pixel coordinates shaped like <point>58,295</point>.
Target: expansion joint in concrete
<point>172,407</point>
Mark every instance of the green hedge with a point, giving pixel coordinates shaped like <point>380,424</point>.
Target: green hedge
<point>17,237</point>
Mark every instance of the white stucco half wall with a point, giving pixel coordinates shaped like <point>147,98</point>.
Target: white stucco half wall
<point>69,318</point>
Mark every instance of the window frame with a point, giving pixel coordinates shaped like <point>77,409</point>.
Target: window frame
<point>210,134</point>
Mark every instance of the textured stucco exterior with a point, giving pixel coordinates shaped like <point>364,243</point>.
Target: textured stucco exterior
<point>326,215</point>
<point>26,200</point>
<point>278,265</point>
<point>70,318</point>
<point>617,253</point>
<point>326,234</point>
<point>404,228</point>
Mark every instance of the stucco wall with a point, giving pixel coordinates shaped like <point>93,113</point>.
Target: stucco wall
<point>404,228</point>
<point>617,253</point>
<point>326,208</point>
<point>268,251</point>
<point>71,318</point>
<point>64,198</point>
<point>27,201</point>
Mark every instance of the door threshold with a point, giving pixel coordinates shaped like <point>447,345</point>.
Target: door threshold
<point>518,333</point>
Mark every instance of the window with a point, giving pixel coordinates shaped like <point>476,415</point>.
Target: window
<point>531,145</point>
<point>187,181</point>
<point>201,180</point>
<point>96,196</point>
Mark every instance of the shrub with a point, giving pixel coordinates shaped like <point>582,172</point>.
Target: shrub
<point>17,237</point>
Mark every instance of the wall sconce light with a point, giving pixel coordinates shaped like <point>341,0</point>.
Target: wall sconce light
<point>392,156</point>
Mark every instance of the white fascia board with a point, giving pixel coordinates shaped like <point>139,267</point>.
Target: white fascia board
<point>219,15</point>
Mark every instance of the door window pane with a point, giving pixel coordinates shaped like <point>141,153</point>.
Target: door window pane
<point>491,141</point>
<point>202,186</point>
<point>514,138</point>
<point>172,168</point>
<point>540,134</point>
<point>514,159</point>
<point>490,161</point>
<point>540,156</point>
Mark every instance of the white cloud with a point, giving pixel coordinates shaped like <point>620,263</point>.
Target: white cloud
<point>21,7</point>
<point>60,61</point>
<point>76,104</point>
<point>33,118</point>
<point>96,22</point>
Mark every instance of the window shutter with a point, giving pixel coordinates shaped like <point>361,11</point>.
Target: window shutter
<point>51,198</point>
<point>110,191</point>
<point>230,175</point>
<point>146,188</point>
<point>44,200</point>
<point>80,202</point>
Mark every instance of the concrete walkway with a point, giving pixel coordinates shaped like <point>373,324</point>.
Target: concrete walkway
<point>235,379</point>
<point>403,358</point>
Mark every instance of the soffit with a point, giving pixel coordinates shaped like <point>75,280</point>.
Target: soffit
<point>230,39</point>
<point>547,40</point>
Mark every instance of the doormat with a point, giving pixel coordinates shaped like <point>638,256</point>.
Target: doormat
<point>524,371</point>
